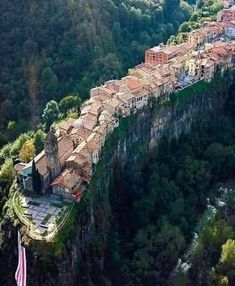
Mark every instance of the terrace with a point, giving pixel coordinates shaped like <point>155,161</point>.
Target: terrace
<point>43,216</point>
<point>186,82</point>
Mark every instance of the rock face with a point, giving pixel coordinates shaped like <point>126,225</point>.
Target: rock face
<point>77,258</point>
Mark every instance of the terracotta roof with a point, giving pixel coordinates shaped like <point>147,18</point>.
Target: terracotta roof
<point>81,132</point>
<point>19,167</point>
<point>133,83</point>
<point>93,146</point>
<point>169,50</point>
<point>69,178</point>
<point>66,125</point>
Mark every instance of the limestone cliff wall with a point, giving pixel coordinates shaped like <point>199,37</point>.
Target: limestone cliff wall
<point>79,253</point>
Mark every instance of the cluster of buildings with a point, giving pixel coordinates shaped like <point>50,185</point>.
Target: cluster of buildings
<point>227,17</point>
<point>228,3</point>
<point>67,162</point>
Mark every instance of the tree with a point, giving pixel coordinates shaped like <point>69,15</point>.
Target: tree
<point>227,259</point>
<point>68,103</point>
<point>7,172</point>
<point>184,27</point>
<point>169,7</point>
<point>49,84</point>
<point>194,17</point>
<point>223,281</point>
<point>215,7</point>
<point>39,141</point>
<point>36,179</point>
<point>50,114</point>
<point>27,151</point>
<point>18,144</point>
<point>8,109</point>
<point>107,67</point>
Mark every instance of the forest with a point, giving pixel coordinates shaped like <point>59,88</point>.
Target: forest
<point>52,49</point>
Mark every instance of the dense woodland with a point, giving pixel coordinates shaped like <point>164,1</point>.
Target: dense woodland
<point>157,205</point>
<point>51,49</point>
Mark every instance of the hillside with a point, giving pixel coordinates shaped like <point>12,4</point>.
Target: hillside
<point>50,49</point>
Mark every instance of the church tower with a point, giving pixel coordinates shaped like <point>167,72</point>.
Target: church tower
<point>52,155</point>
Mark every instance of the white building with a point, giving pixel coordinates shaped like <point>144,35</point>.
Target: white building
<point>230,30</point>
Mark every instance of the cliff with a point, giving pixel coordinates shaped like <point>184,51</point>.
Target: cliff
<point>77,257</point>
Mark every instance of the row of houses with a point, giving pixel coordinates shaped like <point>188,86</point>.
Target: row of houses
<point>67,163</point>
<point>225,25</point>
<point>164,53</point>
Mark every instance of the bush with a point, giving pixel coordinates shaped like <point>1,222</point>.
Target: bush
<point>7,172</point>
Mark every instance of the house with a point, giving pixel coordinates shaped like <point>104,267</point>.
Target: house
<point>141,98</point>
<point>160,54</point>
<point>230,29</point>
<point>177,65</point>
<point>113,85</point>
<point>198,36</point>
<point>128,98</point>
<point>101,133</point>
<point>88,121</point>
<point>68,184</point>
<point>102,90</point>
<point>185,48</point>
<point>113,106</point>
<point>79,134</point>
<point>215,29</point>
<point>107,121</point>
<point>161,87</point>
<point>94,147</point>
<point>65,127</point>
<point>139,72</point>
<point>192,65</point>
<point>92,106</point>
<point>222,53</point>
<point>226,15</point>
<point>81,160</point>
<point>206,69</point>
<point>148,84</point>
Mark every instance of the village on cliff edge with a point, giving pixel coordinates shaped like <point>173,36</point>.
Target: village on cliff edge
<point>67,162</point>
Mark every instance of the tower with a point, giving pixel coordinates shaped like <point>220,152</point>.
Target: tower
<point>52,155</point>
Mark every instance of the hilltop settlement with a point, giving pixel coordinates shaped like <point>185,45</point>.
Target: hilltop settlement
<point>66,164</point>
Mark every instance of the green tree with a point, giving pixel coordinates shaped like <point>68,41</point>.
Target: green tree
<point>17,145</point>
<point>184,27</point>
<point>39,141</point>
<point>109,67</point>
<point>50,114</point>
<point>8,109</point>
<point>36,179</point>
<point>7,172</point>
<point>69,102</point>
<point>169,7</point>
<point>215,7</point>
<point>49,84</point>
